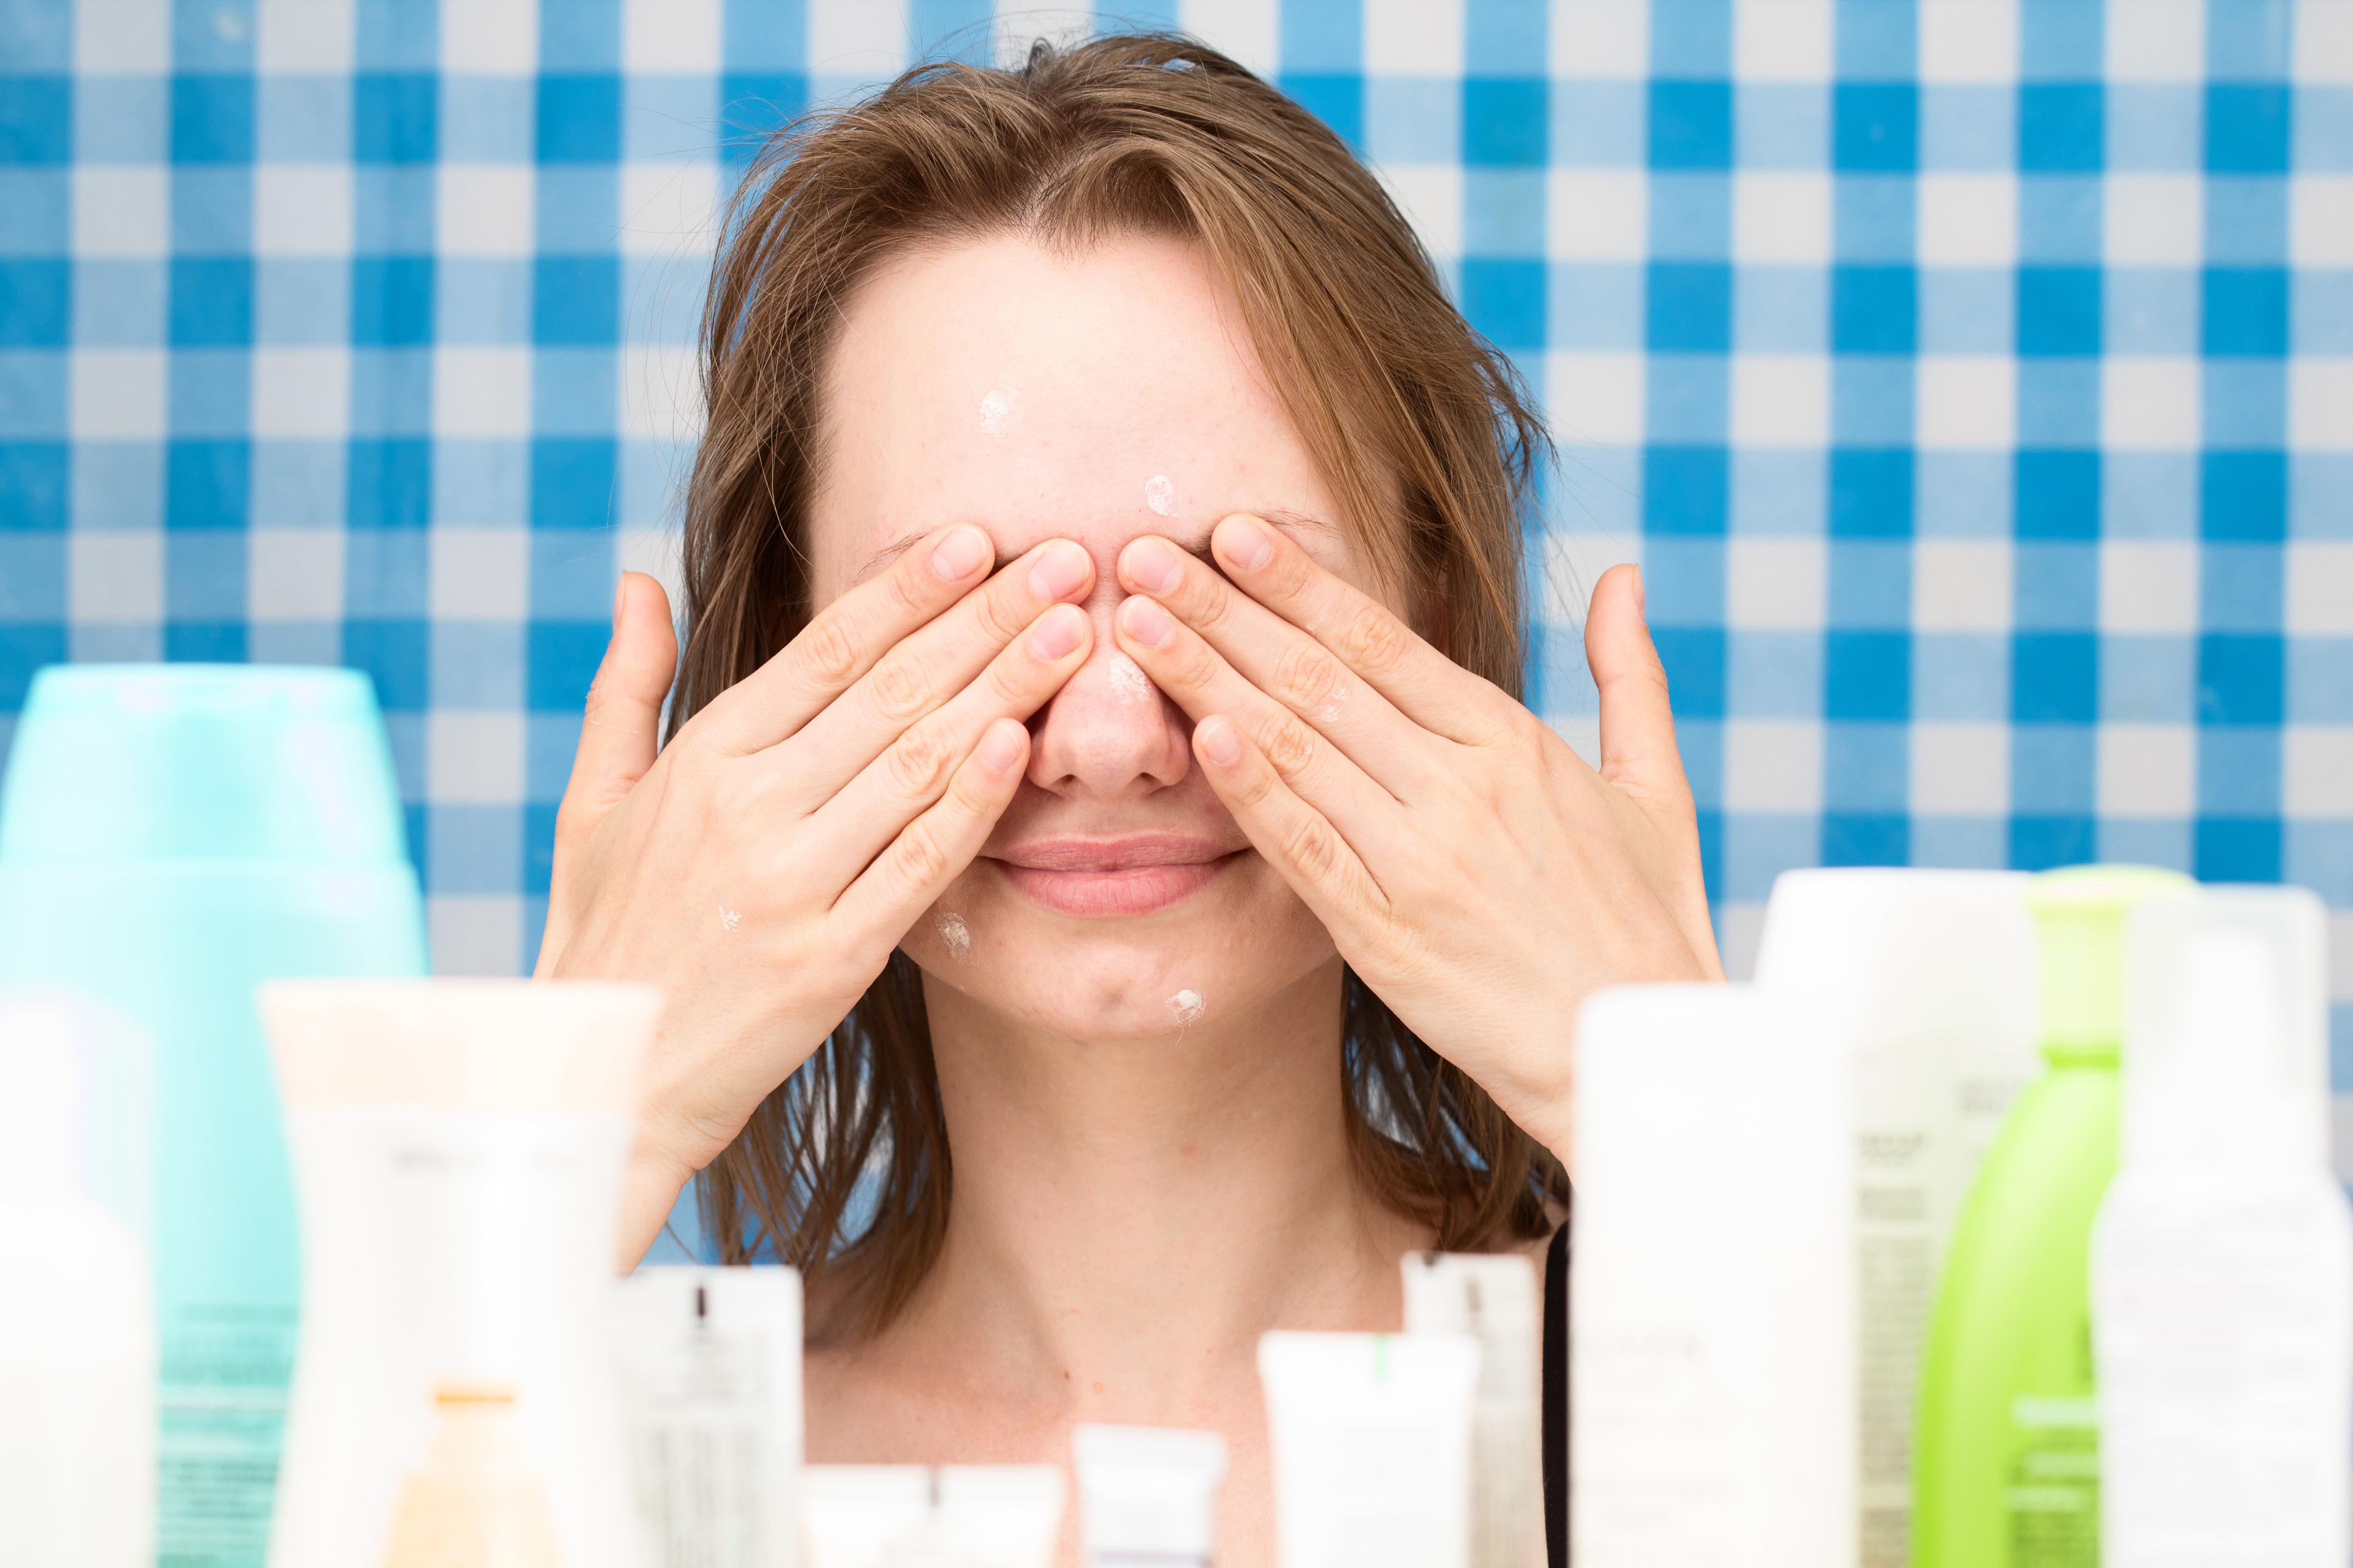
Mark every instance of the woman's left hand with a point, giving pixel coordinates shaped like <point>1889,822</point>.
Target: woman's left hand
<point>1471,869</point>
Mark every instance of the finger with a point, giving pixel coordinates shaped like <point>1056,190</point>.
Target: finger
<point>853,826</point>
<point>1298,841</point>
<point>934,850</point>
<point>927,668</point>
<point>619,733</point>
<point>1638,726</point>
<point>1197,678</point>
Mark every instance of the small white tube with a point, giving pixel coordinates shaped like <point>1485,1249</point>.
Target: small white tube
<point>711,1377</point>
<point>1493,1297</point>
<point>1371,1436</point>
<point>923,1516</point>
<point>1147,1494</point>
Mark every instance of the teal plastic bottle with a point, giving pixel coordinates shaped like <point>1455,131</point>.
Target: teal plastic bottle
<point>2005,1458</point>
<point>171,834</point>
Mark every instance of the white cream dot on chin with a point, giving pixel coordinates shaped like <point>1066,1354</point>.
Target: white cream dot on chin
<point>1160,495</point>
<point>731,918</point>
<point>1185,1006</point>
<point>953,933</point>
<point>1128,679</point>
<point>996,410</point>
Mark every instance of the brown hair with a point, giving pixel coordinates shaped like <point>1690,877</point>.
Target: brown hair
<point>1411,415</point>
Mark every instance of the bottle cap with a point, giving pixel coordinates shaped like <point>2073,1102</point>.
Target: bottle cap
<point>174,761</point>
<point>2226,1029</point>
<point>2079,922</point>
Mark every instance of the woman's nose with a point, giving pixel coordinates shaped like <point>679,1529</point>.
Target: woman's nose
<point>1109,734</point>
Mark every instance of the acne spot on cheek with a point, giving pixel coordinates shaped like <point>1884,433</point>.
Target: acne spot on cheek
<point>1160,495</point>
<point>954,933</point>
<point>1128,679</point>
<point>1185,1006</point>
<point>996,410</point>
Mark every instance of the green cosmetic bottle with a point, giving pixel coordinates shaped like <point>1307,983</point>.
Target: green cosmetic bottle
<point>2005,1460</point>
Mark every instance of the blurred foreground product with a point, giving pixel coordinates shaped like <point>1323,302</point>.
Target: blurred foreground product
<point>2223,1259</point>
<point>1493,1297</point>
<point>1927,979</point>
<point>1371,1436</point>
<point>77,1308</point>
<point>169,835</point>
<point>2006,1455</point>
<point>1147,1495</point>
<point>1712,1344</point>
<point>926,1516</point>
<point>711,1374</point>
<point>458,1150</point>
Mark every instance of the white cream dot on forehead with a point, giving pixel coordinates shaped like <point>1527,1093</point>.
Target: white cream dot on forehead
<point>996,410</point>
<point>1127,678</point>
<point>1160,495</point>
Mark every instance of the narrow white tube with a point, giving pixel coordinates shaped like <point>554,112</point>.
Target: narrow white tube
<point>946,1515</point>
<point>1493,1297</point>
<point>1147,1495</point>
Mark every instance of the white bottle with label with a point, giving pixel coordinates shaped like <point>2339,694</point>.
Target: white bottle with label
<point>1491,1297</point>
<point>77,1299</point>
<point>2222,1260</point>
<point>1926,979</point>
<point>1712,1345</point>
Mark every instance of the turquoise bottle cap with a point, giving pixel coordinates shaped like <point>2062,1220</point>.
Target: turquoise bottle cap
<point>195,761</point>
<point>2078,919</point>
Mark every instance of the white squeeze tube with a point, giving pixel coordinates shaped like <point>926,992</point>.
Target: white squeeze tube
<point>1148,1495</point>
<point>2222,1261</point>
<point>1493,1297</point>
<point>458,1150</point>
<point>927,1516</point>
<point>77,1301</point>
<point>1927,979</point>
<point>711,1376</point>
<point>1371,1436</point>
<point>1711,1346</point>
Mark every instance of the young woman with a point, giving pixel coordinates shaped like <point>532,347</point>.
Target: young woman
<point>1111,899</point>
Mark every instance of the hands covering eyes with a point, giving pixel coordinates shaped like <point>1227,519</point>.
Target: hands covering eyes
<point>1472,870</point>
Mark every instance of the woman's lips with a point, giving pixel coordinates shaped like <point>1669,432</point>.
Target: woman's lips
<point>1099,877</point>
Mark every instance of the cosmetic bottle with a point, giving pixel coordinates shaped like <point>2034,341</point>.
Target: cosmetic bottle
<point>170,835</point>
<point>2222,1257</point>
<point>1147,1495</point>
<point>1371,1435</point>
<point>457,1147</point>
<point>77,1310</point>
<point>1492,1298</point>
<point>927,1516</point>
<point>1712,1344</point>
<point>711,1374</point>
<point>2005,1457</point>
<point>1926,979</point>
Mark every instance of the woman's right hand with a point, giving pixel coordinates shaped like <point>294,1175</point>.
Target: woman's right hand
<point>761,867</point>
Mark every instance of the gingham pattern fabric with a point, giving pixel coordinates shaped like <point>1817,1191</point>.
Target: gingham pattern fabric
<point>1974,378</point>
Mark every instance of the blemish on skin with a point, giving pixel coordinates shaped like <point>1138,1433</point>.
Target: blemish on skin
<point>955,933</point>
<point>731,919</point>
<point>1128,678</point>
<point>1160,495</point>
<point>1331,709</point>
<point>997,409</point>
<point>1185,1006</point>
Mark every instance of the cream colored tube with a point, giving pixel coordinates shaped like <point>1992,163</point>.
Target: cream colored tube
<point>951,1516</point>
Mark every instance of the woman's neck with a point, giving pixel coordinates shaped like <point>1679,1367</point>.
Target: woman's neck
<point>1129,1217</point>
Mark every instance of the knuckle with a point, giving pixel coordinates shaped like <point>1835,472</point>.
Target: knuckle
<point>1288,746</point>
<point>1211,606</point>
<point>1306,676</point>
<point>827,652</point>
<point>920,860</point>
<point>1003,612</point>
<point>1308,844</point>
<point>1371,638</point>
<point>909,587</point>
<point>899,689</point>
<point>1293,574</point>
<point>917,764</point>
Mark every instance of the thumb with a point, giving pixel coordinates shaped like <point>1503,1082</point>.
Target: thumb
<point>623,721</point>
<point>1638,728</point>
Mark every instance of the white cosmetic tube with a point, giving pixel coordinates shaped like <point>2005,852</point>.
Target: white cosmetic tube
<point>1712,1344</point>
<point>1371,1436</point>
<point>1493,1297</point>
<point>711,1377</point>
<point>923,1516</point>
<point>1147,1495</point>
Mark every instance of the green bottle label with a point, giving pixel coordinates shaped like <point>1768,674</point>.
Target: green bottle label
<point>2053,1499</point>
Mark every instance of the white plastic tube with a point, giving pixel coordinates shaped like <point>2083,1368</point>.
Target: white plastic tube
<point>1147,1495</point>
<point>923,1516</point>
<point>1493,1297</point>
<point>710,1375</point>
<point>1371,1436</point>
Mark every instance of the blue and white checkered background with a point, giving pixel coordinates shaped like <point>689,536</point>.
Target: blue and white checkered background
<point>1974,378</point>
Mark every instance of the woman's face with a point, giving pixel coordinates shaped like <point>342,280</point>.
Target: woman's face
<point>1092,397</point>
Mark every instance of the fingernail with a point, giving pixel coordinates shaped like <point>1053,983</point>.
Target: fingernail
<point>1059,570</point>
<point>1146,622</point>
<point>1245,542</point>
<point>1000,745</point>
<point>1057,633</point>
<point>1220,742</point>
<point>959,555</point>
<point>1154,567</point>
